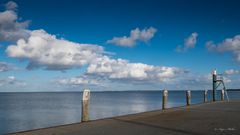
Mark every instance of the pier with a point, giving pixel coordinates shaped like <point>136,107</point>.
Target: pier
<point>212,118</point>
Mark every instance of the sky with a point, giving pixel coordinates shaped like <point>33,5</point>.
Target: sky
<point>107,45</point>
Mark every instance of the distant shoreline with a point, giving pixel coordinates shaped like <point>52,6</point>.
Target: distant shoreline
<point>233,89</point>
<point>104,91</point>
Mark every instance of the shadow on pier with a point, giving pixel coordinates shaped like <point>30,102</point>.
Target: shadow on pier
<point>213,118</point>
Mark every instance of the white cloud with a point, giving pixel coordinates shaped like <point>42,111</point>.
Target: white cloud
<point>136,35</point>
<point>195,81</point>
<point>231,45</point>
<point>189,42</point>
<point>46,51</point>
<point>105,70</point>
<point>227,80</point>
<point>120,69</point>
<point>125,73</point>
<point>10,28</point>
<point>11,80</point>
<point>43,50</point>
<point>199,81</point>
<point>78,81</point>
<point>231,72</point>
<point>4,66</point>
<point>11,5</point>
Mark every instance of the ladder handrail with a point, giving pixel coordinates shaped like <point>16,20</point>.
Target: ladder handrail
<point>222,82</point>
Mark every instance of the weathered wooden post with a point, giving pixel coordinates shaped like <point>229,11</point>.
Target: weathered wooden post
<point>188,97</point>
<point>222,94</point>
<point>165,99</point>
<point>85,105</point>
<point>205,96</point>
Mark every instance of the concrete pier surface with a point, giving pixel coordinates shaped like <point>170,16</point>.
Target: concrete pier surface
<point>217,118</point>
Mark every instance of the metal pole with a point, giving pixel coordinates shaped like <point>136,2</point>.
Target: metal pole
<point>214,76</point>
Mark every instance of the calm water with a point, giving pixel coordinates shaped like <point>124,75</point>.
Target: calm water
<point>25,111</point>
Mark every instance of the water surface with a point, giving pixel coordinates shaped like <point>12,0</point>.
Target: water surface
<point>25,111</point>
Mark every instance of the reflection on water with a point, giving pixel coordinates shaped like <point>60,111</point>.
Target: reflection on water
<point>24,111</point>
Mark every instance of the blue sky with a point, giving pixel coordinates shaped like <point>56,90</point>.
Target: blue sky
<point>174,44</point>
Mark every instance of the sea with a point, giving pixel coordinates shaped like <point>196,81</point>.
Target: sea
<point>32,110</point>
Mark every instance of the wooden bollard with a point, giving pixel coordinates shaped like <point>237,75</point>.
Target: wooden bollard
<point>85,105</point>
<point>205,96</point>
<point>164,99</point>
<point>222,94</point>
<point>188,97</point>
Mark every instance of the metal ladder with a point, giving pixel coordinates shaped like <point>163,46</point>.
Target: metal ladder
<point>220,81</point>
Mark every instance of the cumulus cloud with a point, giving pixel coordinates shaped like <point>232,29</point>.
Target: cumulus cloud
<point>105,69</point>
<point>10,28</point>
<point>231,45</point>
<point>78,81</point>
<point>136,35</point>
<point>5,66</point>
<point>195,80</point>
<point>46,51</point>
<point>120,69</point>
<point>189,42</point>
<point>137,74</point>
<point>11,80</point>
<point>231,72</point>
<point>200,81</point>
<point>11,5</point>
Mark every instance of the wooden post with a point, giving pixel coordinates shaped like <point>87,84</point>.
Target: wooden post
<point>205,96</point>
<point>165,98</point>
<point>188,97</point>
<point>85,105</point>
<point>222,94</point>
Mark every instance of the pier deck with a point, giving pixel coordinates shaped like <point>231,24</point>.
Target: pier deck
<point>218,118</point>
